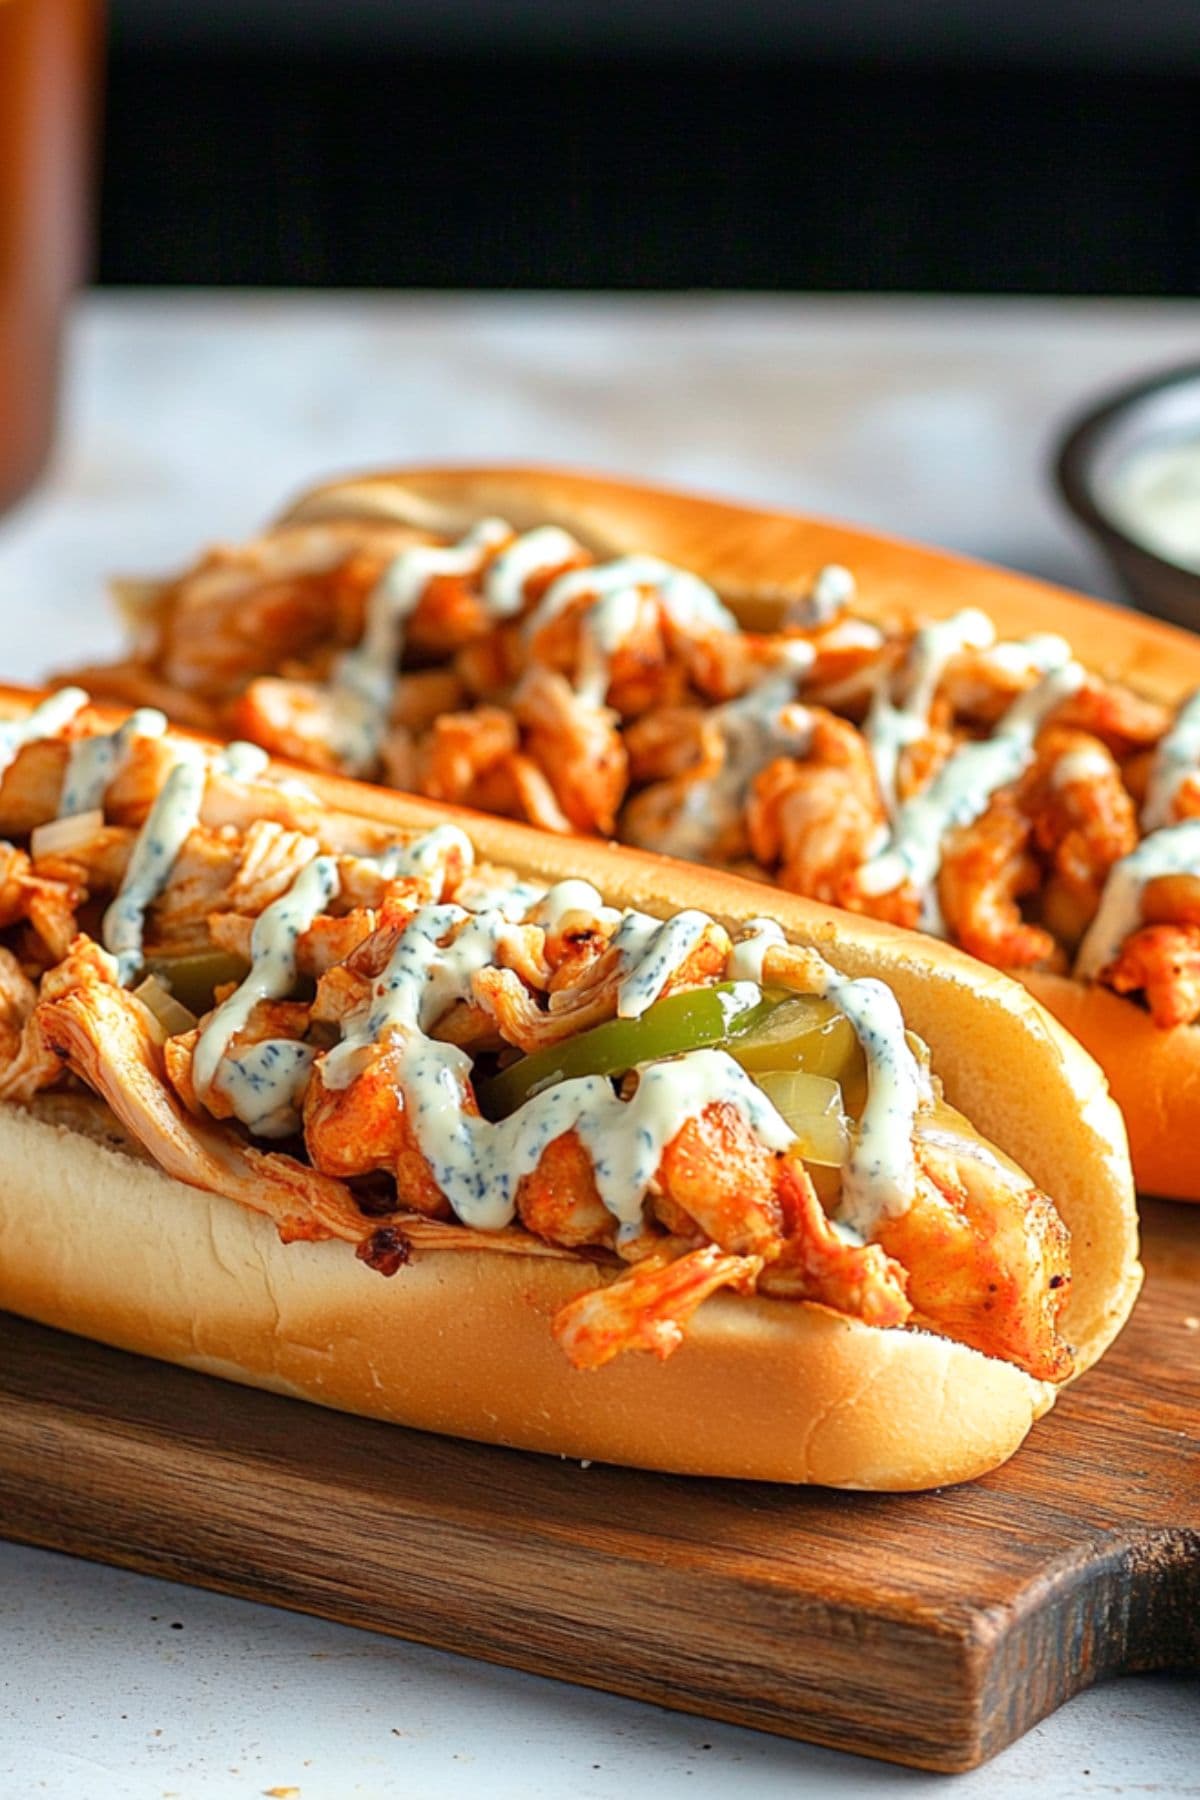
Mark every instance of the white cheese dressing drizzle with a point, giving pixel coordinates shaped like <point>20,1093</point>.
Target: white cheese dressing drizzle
<point>241,761</point>
<point>746,960</point>
<point>265,1082</point>
<point>360,693</point>
<point>574,896</point>
<point>880,1175</point>
<point>515,900</point>
<point>654,949</point>
<point>1176,756</point>
<point>427,855</point>
<point>174,815</point>
<point>615,591</point>
<point>45,721</point>
<point>478,1165</point>
<point>960,792</point>
<point>1173,851</point>
<point>96,761</point>
<point>892,726</point>
<point>832,591</point>
<point>1089,763</point>
<point>365,677</point>
<point>533,553</point>
<point>760,725</point>
<point>1037,654</point>
<point>685,599</point>
<point>607,624</point>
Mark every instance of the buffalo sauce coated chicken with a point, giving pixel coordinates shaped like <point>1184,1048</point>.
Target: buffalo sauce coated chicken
<point>385,1042</point>
<point>993,793</point>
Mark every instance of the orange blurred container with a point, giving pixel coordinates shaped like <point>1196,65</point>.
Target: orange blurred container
<point>49,64</point>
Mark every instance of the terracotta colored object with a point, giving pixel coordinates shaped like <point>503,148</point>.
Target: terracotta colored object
<point>48,61</point>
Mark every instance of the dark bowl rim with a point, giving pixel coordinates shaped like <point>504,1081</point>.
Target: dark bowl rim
<point>1073,459</point>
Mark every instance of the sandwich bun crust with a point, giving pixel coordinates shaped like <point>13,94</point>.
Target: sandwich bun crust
<point>96,1240</point>
<point>1154,1076</point>
<point>459,1341</point>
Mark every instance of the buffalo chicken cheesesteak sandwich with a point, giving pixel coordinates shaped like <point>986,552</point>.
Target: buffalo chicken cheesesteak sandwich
<point>429,1118</point>
<point>991,789</point>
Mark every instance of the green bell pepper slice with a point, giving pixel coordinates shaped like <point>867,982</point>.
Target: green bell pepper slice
<point>192,978</point>
<point>762,1029</point>
<point>693,1019</point>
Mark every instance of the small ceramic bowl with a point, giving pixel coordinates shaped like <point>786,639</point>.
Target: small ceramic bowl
<point>1161,409</point>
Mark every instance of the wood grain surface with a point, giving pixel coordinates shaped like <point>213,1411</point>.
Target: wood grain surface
<point>926,1629</point>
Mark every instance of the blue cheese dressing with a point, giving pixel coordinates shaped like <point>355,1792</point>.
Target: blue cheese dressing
<point>45,721</point>
<point>174,815</point>
<point>747,734</point>
<point>533,553</point>
<point>477,1164</point>
<point>96,761</point>
<point>365,678</point>
<point>750,950</point>
<point>426,856</point>
<point>880,1175</point>
<point>893,725</point>
<point>265,1082</point>
<point>1176,756</point>
<point>1173,851</point>
<point>960,792</point>
<point>615,592</point>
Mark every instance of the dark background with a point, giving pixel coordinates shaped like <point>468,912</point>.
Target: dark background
<point>1045,146</point>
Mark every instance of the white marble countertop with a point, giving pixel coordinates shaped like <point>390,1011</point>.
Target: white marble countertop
<point>190,417</point>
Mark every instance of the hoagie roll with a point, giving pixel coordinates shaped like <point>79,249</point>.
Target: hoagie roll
<point>443,1120</point>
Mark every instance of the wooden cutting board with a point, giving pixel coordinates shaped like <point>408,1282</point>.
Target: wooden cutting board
<point>927,1629</point>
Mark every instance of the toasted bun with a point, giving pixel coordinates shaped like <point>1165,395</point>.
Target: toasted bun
<point>1154,1076</point>
<point>98,1241</point>
<point>759,561</point>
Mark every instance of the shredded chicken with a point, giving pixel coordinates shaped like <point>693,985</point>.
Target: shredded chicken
<point>1161,962</point>
<point>813,821</point>
<point>578,748</point>
<point>647,1307</point>
<point>106,1037</point>
<point>47,904</point>
<point>987,1255</point>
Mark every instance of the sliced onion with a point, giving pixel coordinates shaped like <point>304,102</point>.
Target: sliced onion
<point>812,1106</point>
<point>159,1000</point>
<point>61,836</point>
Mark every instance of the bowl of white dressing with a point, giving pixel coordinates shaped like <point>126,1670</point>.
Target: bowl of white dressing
<point>1130,470</point>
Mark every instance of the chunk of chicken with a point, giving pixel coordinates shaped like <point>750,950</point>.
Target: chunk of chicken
<point>986,1253</point>
<point>814,821</point>
<point>647,1307</point>
<point>1161,962</point>
<point>578,748</point>
<point>47,904</point>
<point>987,870</point>
<point>26,1063</point>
